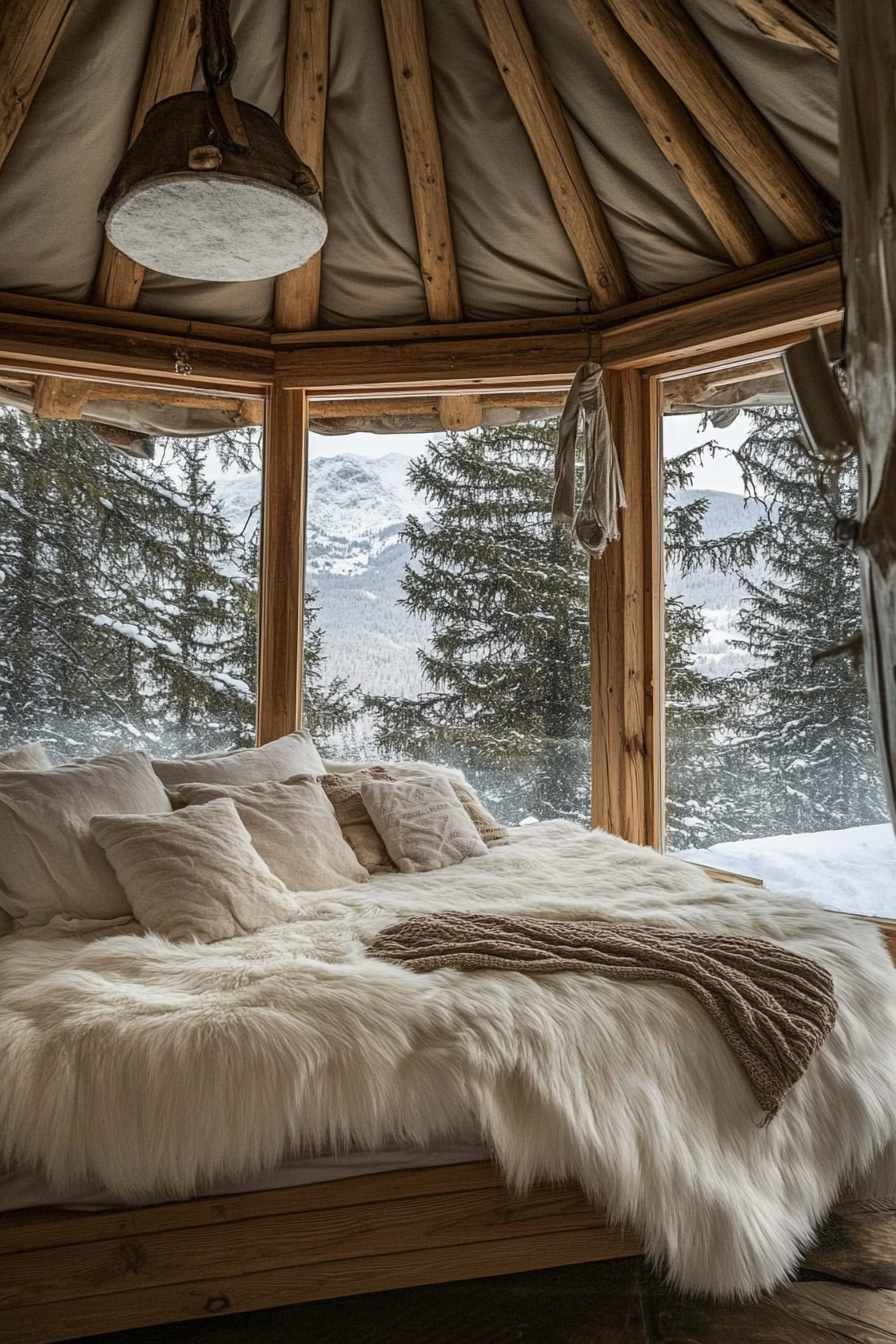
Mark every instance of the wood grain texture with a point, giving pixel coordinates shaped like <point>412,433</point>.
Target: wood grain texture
<point>539,110</point>
<point>306,74</point>
<point>675,133</point>
<point>729,120</point>
<point>372,407</point>
<point>412,81</point>
<point>61,398</point>
<point>170,66</point>
<point>858,1244</point>
<point>785,23</point>
<point>282,565</point>
<point>460,412</point>
<point>30,31</point>
<point>621,799</point>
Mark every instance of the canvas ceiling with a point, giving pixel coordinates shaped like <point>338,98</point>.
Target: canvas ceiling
<point>513,256</point>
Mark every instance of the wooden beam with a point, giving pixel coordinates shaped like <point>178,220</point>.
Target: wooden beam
<point>342,408</point>
<point>675,133</point>
<point>539,110</point>
<point>412,79</point>
<point>297,293</point>
<point>29,35</point>
<point>785,23</point>
<point>686,60</point>
<point>458,413</point>
<point>170,66</point>
<point>61,398</point>
<point>282,565</point>
<point>620,612</point>
<point>249,411</point>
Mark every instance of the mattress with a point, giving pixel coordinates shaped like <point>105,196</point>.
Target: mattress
<point>20,1191</point>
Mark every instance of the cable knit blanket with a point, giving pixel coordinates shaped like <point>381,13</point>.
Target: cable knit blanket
<point>773,1007</point>
<point>156,1068</point>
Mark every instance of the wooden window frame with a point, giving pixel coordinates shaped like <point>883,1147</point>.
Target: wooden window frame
<point>756,311</point>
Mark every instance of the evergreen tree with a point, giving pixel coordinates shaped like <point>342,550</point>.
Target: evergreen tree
<point>125,599</point>
<point>507,595</point>
<point>328,707</point>
<point>806,744</point>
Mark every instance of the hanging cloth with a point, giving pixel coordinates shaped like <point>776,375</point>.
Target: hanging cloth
<point>593,523</point>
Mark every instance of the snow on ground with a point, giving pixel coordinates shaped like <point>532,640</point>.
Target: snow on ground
<point>853,869</point>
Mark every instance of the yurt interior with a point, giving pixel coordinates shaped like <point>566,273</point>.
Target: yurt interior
<point>448,671</point>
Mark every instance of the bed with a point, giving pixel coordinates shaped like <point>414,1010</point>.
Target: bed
<point>573,1198</point>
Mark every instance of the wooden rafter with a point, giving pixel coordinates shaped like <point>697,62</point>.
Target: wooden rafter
<point>686,60</point>
<point>61,398</point>
<point>29,34</point>
<point>170,66</point>
<point>539,110</point>
<point>411,76</point>
<point>800,25</point>
<point>297,293</point>
<point>676,134</point>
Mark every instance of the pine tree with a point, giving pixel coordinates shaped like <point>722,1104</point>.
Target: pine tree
<point>125,599</point>
<point>507,595</point>
<point>328,707</point>
<point>806,743</point>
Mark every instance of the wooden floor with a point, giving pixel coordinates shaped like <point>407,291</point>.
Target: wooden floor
<point>613,1302</point>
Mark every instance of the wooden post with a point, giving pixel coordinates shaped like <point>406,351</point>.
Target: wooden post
<point>282,564</point>
<point>622,620</point>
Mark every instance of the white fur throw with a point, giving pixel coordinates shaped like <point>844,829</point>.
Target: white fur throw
<point>155,1068</point>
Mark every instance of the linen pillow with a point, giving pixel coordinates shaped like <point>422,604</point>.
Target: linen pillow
<point>489,828</point>
<point>193,874</point>
<point>422,823</point>
<point>344,793</point>
<point>51,868</point>
<point>294,829</point>
<point>29,756</point>
<point>294,754</point>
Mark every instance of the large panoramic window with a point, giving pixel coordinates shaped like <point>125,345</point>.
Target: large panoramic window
<point>770,763</point>
<point>446,618</point>
<point>128,571</point>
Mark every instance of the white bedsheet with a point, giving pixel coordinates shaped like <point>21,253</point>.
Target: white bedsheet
<point>28,1192</point>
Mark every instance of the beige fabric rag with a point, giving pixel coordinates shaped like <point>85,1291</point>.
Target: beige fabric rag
<point>593,523</point>
<point>773,1007</point>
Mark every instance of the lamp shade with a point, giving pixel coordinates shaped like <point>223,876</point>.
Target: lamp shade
<point>186,201</point>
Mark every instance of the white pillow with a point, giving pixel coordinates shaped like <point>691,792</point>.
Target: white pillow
<point>294,754</point>
<point>193,874</point>
<point>422,823</point>
<point>400,769</point>
<point>293,827</point>
<point>29,756</point>
<point>51,868</point>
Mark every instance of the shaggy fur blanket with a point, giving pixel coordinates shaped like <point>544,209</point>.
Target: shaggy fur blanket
<point>155,1068</point>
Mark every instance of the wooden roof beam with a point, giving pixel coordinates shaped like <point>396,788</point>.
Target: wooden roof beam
<point>297,292</point>
<point>676,134</point>
<point>61,398</point>
<point>29,35</point>
<point>539,109</point>
<point>807,23</point>
<point>675,45</point>
<point>170,65</point>
<point>411,76</point>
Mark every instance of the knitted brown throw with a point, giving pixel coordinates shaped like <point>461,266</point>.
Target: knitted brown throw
<point>773,1007</point>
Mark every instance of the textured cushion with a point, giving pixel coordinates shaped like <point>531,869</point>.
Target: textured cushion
<point>51,868</point>
<point>294,754</point>
<point>344,792</point>
<point>293,827</point>
<point>193,874</point>
<point>345,776</point>
<point>29,756</point>
<point>422,823</point>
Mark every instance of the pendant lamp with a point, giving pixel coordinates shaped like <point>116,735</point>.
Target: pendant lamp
<point>211,188</point>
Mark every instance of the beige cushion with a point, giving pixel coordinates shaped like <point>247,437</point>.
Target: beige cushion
<point>343,787</point>
<point>422,823</point>
<point>294,829</point>
<point>344,792</point>
<point>29,756</point>
<point>193,874</point>
<point>294,754</point>
<point>51,868</point>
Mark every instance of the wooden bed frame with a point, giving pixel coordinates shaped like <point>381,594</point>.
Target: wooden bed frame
<point>65,1274</point>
